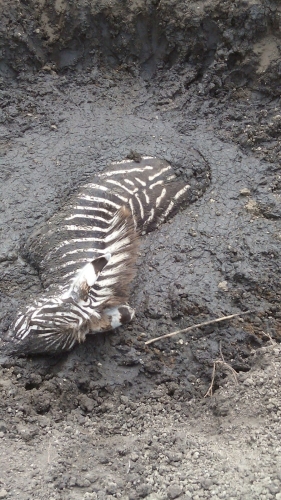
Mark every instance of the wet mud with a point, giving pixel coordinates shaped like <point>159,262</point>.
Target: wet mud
<point>198,84</point>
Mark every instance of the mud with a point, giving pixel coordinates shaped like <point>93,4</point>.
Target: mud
<point>196,83</point>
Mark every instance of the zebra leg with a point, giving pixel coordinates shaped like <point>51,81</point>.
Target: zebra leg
<point>111,318</point>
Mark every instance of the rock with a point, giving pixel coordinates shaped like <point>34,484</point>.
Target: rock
<point>124,399</point>
<point>174,457</point>
<point>223,286</point>
<point>174,491</point>
<point>111,488</point>
<point>27,433</point>
<point>252,207</point>
<point>143,490</point>
<point>248,382</point>
<point>3,426</point>
<point>86,403</point>
<point>245,192</point>
<point>42,404</point>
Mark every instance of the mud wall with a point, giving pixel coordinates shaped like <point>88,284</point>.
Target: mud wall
<point>232,43</point>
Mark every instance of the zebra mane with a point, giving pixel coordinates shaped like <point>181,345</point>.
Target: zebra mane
<point>122,243</point>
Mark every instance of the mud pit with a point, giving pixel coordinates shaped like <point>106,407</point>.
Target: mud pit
<point>197,84</point>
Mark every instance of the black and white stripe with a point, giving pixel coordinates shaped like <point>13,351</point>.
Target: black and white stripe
<point>86,253</point>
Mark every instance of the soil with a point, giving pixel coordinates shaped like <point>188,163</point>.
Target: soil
<point>197,83</point>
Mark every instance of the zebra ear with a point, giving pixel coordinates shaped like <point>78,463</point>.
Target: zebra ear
<point>87,277</point>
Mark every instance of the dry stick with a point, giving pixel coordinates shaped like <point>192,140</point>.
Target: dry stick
<point>270,338</point>
<point>210,322</point>
<point>228,367</point>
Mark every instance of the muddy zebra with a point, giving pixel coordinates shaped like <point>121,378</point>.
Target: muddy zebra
<point>86,254</point>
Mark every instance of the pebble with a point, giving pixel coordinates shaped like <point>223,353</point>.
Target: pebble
<point>223,285</point>
<point>111,488</point>
<point>174,457</point>
<point>3,427</point>
<point>3,493</point>
<point>245,192</point>
<point>134,457</point>
<point>174,491</point>
<point>248,382</point>
<point>252,207</point>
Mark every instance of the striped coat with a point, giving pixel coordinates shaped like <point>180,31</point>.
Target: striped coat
<point>86,254</point>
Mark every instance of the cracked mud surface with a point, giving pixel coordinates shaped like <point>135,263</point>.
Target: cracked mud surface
<point>196,83</point>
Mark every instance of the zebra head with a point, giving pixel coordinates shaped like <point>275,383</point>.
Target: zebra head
<point>55,323</point>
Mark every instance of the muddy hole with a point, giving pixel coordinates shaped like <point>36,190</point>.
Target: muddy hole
<point>85,84</point>
<point>76,97</point>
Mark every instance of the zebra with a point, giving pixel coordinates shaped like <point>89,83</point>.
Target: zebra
<point>86,254</point>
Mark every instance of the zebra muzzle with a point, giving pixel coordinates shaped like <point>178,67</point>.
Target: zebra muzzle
<point>112,318</point>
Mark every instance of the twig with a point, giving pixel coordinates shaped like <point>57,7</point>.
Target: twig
<point>129,466</point>
<point>205,323</point>
<point>270,338</point>
<point>226,365</point>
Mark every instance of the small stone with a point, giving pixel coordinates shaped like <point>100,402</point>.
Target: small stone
<point>252,207</point>
<point>3,427</point>
<point>207,483</point>
<point>134,457</point>
<point>86,403</point>
<point>3,493</point>
<point>92,476</point>
<point>248,381</point>
<point>245,192</point>
<point>174,457</point>
<point>27,433</point>
<point>273,488</point>
<point>111,488</point>
<point>174,491</point>
<point>42,404</point>
<point>223,285</point>
<point>47,67</point>
<point>143,490</point>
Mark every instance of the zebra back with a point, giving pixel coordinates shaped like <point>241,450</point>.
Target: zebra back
<point>149,189</point>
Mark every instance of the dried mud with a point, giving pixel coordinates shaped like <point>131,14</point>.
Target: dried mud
<point>196,83</point>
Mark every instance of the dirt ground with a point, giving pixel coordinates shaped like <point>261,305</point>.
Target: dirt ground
<point>197,83</point>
